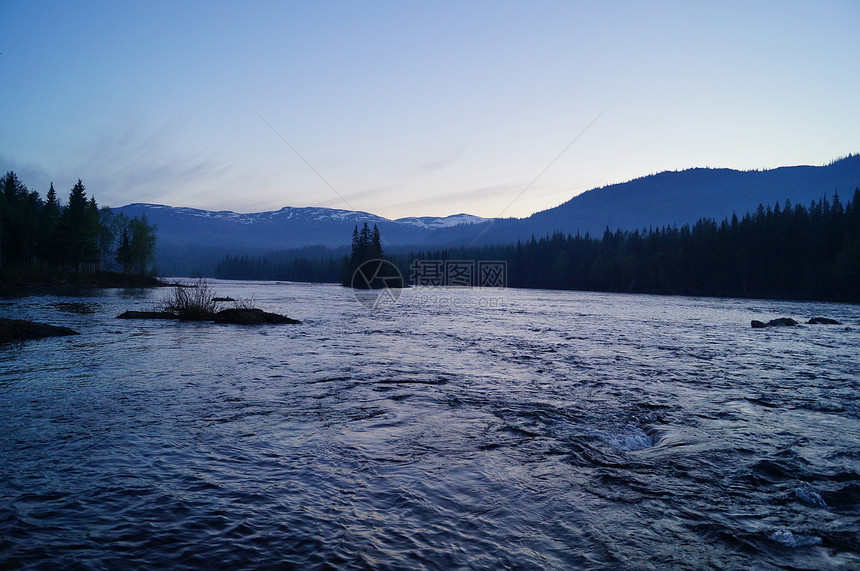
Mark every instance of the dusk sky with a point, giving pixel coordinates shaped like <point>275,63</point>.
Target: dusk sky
<point>415,108</point>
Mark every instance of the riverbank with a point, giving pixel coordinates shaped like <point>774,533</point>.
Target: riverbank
<point>27,278</point>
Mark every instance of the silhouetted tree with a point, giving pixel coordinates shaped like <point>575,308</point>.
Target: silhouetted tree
<point>123,254</point>
<point>110,225</point>
<point>142,241</point>
<point>45,235</point>
<point>19,222</point>
<point>79,230</point>
<point>375,243</point>
<point>50,223</point>
<point>367,247</point>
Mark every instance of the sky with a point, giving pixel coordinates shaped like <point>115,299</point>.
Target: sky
<point>415,108</point>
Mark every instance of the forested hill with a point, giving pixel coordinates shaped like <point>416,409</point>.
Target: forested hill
<point>682,197</point>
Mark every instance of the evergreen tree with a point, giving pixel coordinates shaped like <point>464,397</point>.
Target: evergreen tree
<point>50,222</point>
<point>142,242</point>
<point>364,244</point>
<point>13,188</point>
<point>355,256</point>
<point>110,226</point>
<point>367,247</point>
<point>92,230</point>
<point>52,203</point>
<point>123,254</point>
<point>78,230</point>
<point>375,244</point>
<point>17,221</point>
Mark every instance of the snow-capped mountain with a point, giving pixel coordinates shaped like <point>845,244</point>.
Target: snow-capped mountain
<point>434,222</point>
<point>286,213</point>
<point>190,238</point>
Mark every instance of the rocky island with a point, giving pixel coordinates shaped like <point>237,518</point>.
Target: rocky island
<point>22,330</point>
<point>198,302</point>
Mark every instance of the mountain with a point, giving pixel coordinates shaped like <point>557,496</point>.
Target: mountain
<point>686,196</point>
<point>191,239</point>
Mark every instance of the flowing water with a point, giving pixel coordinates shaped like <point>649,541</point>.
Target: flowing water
<point>457,428</point>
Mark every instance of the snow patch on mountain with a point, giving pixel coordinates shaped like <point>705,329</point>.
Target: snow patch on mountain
<point>305,214</point>
<point>435,222</point>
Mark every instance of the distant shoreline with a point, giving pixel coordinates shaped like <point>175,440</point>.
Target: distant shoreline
<point>22,279</point>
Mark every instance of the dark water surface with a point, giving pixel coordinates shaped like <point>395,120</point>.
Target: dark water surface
<point>456,429</point>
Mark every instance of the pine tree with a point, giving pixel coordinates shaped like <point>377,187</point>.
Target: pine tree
<point>375,244</point>
<point>13,188</point>
<point>49,222</point>
<point>19,222</point>
<point>356,248</point>
<point>367,247</point>
<point>123,251</point>
<point>142,244</point>
<point>364,243</point>
<point>78,231</point>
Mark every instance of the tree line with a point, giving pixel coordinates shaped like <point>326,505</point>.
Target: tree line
<point>308,264</point>
<point>78,236</point>
<point>783,251</point>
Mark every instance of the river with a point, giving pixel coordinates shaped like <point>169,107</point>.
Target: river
<point>449,428</point>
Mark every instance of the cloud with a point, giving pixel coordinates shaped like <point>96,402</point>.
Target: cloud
<point>32,175</point>
<point>137,165</point>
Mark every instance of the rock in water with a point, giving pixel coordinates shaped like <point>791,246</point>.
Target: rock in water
<point>781,322</point>
<point>823,321</point>
<point>146,315</point>
<point>251,317</point>
<point>235,316</point>
<point>20,330</point>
